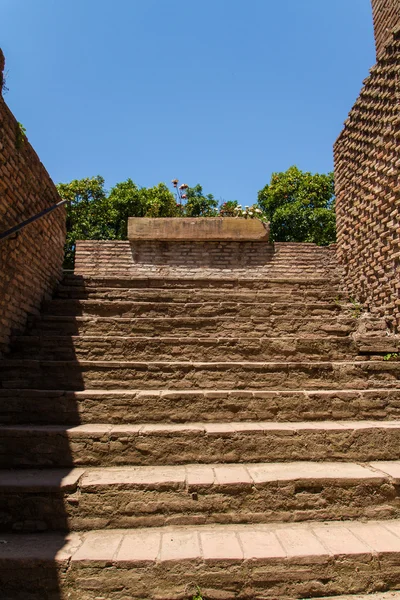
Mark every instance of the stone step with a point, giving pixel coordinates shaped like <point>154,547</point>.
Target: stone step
<point>172,444</point>
<point>170,348</point>
<point>198,295</point>
<point>240,283</point>
<point>233,562</point>
<point>193,326</point>
<point>115,497</point>
<point>106,308</point>
<point>375,596</point>
<point>24,406</point>
<point>180,375</point>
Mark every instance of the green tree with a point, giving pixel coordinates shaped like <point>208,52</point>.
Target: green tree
<point>92,214</point>
<point>199,205</point>
<point>159,202</point>
<point>89,215</point>
<point>300,206</point>
<point>126,200</point>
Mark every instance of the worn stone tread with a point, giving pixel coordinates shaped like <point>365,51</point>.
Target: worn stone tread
<point>306,375</point>
<point>393,595</point>
<point>115,347</point>
<point>224,308</point>
<point>163,282</point>
<point>135,405</point>
<point>209,442</point>
<point>81,499</point>
<point>207,428</point>
<point>190,476</point>
<point>313,542</point>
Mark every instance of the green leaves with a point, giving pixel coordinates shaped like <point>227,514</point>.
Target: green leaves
<point>300,206</point>
<point>199,205</point>
<point>92,214</point>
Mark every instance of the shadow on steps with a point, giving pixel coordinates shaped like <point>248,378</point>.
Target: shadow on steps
<point>30,571</point>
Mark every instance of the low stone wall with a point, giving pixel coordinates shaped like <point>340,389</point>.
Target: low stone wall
<point>203,259</point>
<point>31,263</point>
<point>367,181</point>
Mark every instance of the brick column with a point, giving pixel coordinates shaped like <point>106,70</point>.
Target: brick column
<point>386,18</point>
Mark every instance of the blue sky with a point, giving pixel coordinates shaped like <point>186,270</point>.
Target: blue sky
<point>217,92</point>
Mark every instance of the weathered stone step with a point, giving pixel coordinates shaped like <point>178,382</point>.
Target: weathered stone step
<point>234,562</point>
<point>375,596</point>
<point>171,444</point>
<point>170,348</point>
<point>197,295</point>
<point>193,326</point>
<point>180,375</point>
<point>115,497</point>
<point>106,308</point>
<point>164,282</point>
<point>137,406</point>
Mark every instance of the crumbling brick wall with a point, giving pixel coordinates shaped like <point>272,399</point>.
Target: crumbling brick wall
<point>386,18</point>
<point>31,263</point>
<point>367,179</point>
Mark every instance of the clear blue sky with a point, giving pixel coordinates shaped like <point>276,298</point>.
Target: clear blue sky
<point>220,92</point>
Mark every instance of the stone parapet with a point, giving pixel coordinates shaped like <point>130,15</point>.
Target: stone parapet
<point>202,229</point>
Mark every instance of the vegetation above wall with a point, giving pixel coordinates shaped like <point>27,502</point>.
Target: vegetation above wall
<point>300,207</point>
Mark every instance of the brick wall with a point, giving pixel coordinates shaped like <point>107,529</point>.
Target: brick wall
<point>30,264</point>
<point>203,259</point>
<point>386,18</point>
<point>367,174</point>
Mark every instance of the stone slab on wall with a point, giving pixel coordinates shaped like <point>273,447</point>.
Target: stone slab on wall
<point>197,229</point>
<point>31,263</point>
<point>386,18</point>
<point>203,259</point>
<point>367,182</point>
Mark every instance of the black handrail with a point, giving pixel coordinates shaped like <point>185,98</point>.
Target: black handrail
<point>17,228</point>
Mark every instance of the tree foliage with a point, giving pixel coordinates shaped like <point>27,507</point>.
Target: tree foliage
<point>300,206</point>
<point>198,204</point>
<point>88,213</point>
<point>92,214</point>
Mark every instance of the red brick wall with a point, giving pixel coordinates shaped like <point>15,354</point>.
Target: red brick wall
<point>30,264</point>
<point>386,18</point>
<point>204,259</point>
<point>367,174</point>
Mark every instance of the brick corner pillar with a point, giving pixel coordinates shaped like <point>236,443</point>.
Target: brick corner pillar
<point>386,18</point>
<point>2,64</point>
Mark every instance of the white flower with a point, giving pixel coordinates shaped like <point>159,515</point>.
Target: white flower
<point>257,210</point>
<point>250,213</point>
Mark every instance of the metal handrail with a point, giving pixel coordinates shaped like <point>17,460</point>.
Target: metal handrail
<point>17,228</point>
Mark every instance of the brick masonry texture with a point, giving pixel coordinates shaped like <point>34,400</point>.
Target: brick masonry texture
<point>30,263</point>
<point>203,259</point>
<point>367,174</point>
<point>386,18</point>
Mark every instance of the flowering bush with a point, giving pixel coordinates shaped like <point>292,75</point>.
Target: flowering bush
<point>228,209</point>
<point>196,203</point>
<point>250,212</point>
<point>199,205</point>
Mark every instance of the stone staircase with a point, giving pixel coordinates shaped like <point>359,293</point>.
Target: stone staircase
<point>165,436</point>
